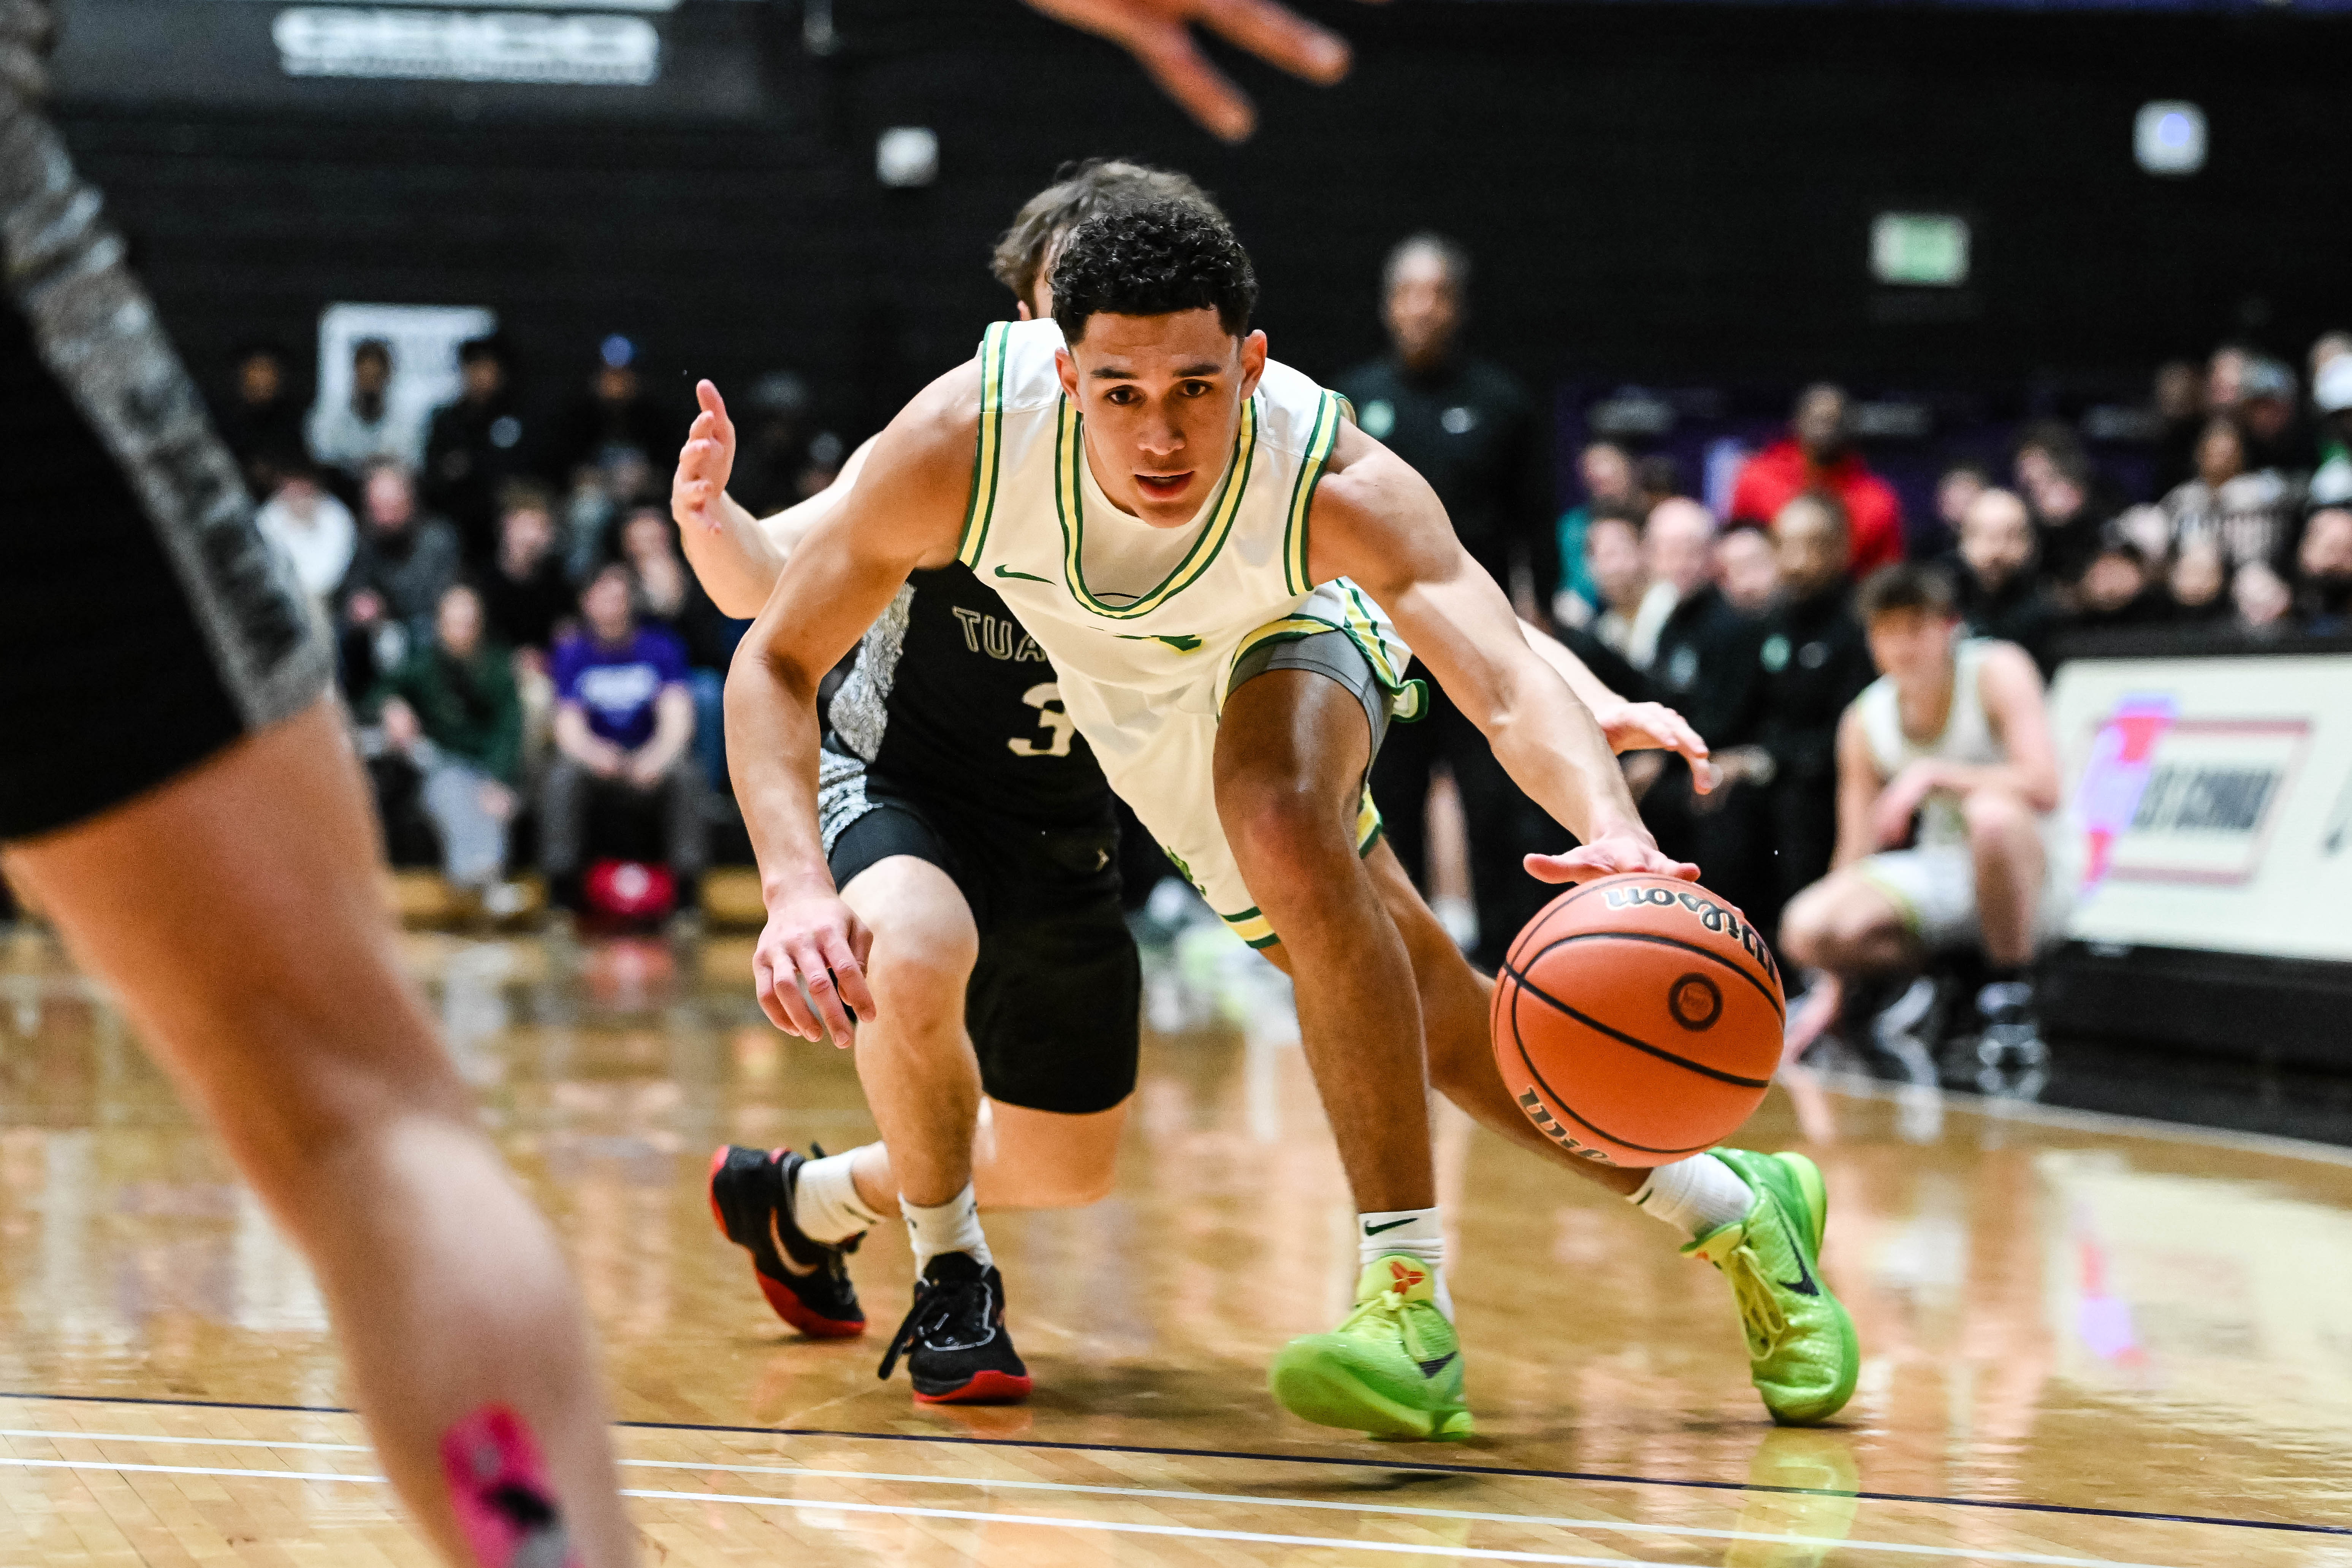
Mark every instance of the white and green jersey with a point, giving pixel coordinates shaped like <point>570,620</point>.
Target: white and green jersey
<point>1144,624</point>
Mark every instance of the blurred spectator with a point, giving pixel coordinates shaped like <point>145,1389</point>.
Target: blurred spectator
<point>1612,556</point>
<point>364,429</point>
<point>2326,348</point>
<point>1818,454</point>
<point>1960,484</point>
<point>2243,516</point>
<point>2119,589</point>
<point>450,712</point>
<point>2324,573</point>
<point>314,529</point>
<point>525,594</point>
<point>1464,423</point>
<point>2179,400</point>
<point>402,565</point>
<point>613,415</point>
<point>774,444</point>
<point>1657,478</point>
<point>1701,651</point>
<point>623,722</point>
<point>669,596</point>
<point>475,444</point>
<point>261,418</point>
<point>2199,584</point>
<point>2331,394</point>
<point>1744,566</point>
<point>2271,419</point>
<point>1470,429</point>
<point>2070,513</point>
<point>1608,476</point>
<point>2225,381</point>
<point>1812,661</point>
<point>1999,594</point>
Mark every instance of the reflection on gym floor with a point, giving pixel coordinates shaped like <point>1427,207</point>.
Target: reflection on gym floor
<point>2057,1310</point>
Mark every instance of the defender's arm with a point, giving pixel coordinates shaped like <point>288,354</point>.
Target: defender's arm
<point>1376,521</point>
<point>906,512</point>
<point>1629,726</point>
<point>734,555</point>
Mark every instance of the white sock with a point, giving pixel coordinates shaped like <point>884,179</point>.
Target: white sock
<point>1413,1232</point>
<point>1694,1195</point>
<point>826,1204</point>
<point>950,1227</point>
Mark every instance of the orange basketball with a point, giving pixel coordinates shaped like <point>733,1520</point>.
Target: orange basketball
<point>1638,1019</point>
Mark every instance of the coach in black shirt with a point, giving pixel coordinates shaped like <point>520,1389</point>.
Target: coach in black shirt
<point>1469,428</point>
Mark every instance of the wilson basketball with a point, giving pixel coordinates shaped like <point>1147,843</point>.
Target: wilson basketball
<point>1638,1019</point>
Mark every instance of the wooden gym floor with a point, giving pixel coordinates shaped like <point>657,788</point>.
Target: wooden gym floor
<point>2087,1340</point>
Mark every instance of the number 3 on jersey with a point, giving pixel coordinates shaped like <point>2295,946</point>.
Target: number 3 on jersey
<point>1048,699</point>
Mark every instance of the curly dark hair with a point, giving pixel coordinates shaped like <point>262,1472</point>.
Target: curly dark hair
<point>1153,259</point>
<point>1079,191</point>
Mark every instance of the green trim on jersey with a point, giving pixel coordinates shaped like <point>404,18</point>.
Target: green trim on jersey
<point>1328,410</point>
<point>987,456</point>
<point>1069,446</point>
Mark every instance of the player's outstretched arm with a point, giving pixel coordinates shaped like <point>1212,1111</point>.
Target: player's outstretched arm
<point>734,555</point>
<point>1159,34</point>
<point>906,512</point>
<point>1379,523</point>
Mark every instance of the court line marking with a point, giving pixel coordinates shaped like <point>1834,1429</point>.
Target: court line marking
<point>1246,1500</point>
<point>1040,1520</point>
<point>1392,1467</point>
<point>2111,1122</point>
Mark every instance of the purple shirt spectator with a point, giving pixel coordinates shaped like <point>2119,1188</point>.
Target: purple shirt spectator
<point>615,684</point>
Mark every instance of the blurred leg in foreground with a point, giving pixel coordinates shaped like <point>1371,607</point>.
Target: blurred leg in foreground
<point>236,913</point>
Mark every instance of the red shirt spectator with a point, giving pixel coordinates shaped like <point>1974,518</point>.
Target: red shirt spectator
<point>1815,457</point>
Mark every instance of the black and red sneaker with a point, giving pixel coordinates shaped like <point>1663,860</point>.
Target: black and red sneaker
<point>955,1342</point>
<point>806,1281</point>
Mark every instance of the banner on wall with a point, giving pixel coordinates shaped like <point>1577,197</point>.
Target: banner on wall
<point>2209,802</point>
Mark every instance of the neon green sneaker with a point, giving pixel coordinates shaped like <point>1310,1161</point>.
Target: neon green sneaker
<point>1393,1369</point>
<point>1802,1352</point>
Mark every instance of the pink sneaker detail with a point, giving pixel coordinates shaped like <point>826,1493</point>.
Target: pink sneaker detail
<point>498,1486</point>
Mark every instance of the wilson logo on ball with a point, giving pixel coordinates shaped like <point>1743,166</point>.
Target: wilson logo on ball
<point>1715,917</point>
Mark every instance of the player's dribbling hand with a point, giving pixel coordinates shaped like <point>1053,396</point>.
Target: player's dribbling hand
<point>1653,727</point>
<point>817,942</point>
<point>1608,856</point>
<point>704,463</point>
<point>1159,34</point>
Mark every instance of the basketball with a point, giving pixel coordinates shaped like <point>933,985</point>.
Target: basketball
<point>1638,1019</point>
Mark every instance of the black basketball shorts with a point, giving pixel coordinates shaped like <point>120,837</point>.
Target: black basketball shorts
<point>1055,1003</point>
<point>144,626</point>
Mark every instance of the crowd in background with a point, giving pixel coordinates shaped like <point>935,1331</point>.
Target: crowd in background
<point>535,673</point>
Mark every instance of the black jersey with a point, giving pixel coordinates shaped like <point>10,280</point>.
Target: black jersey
<point>952,699</point>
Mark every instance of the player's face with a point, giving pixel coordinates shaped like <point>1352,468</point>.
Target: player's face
<point>1162,398</point>
<point>1915,647</point>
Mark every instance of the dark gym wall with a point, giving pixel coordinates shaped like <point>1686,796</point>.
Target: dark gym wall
<point>1661,191</point>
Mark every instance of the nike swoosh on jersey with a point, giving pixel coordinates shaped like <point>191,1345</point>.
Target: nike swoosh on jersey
<point>1024,576</point>
<point>1431,1368</point>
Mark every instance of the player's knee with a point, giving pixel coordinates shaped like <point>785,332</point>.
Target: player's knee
<point>1284,831</point>
<point>1995,816</point>
<point>921,959</point>
<point>1805,929</point>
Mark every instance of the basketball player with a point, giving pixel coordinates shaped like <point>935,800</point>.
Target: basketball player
<point>1953,733</point>
<point>949,703</point>
<point>1273,783</point>
<point>176,790</point>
